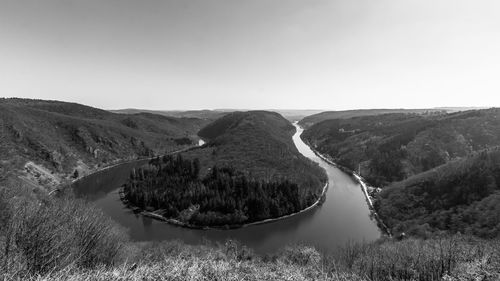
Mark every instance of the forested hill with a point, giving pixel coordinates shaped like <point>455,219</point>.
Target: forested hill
<point>461,196</point>
<point>43,142</point>
<point>249,121</point>
<point>346,114</point>
<point>437,172</point>
<point>393,147</point>
<point>260,144</point>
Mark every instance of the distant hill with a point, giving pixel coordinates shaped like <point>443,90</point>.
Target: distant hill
<point>460,196</point>
<point>49,142</point>
<point>290,114</point>
<point>458,108</point>
<point>200,114</point>
<point>293,115</point>
<point>346,114</point>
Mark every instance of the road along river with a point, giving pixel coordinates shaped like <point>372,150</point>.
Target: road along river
<point>344,215</point>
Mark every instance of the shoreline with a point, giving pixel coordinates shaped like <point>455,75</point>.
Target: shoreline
<point>118,163</point>
<point>364,188</point>
<point>153,215</point>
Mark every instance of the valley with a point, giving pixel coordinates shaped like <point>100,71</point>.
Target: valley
<point>139,181</point>
<point>257,140</point>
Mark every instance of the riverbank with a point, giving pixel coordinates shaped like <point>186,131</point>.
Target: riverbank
<point>113,165</point>
<point>364,188</point>
<point>154,215</point>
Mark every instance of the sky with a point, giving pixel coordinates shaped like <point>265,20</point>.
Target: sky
<point>254,54</point>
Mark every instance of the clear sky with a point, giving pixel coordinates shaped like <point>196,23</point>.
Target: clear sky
<point>186,54</point>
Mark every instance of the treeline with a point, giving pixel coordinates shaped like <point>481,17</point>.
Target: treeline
<point>463,196</point>
<point>172,186</point>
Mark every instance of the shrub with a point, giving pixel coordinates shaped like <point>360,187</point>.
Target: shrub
<point>52,234</point>
<point>301,255</point>
<point>412,259</point>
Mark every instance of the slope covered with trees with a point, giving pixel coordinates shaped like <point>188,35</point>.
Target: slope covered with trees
<point>48,142</point>
<point>393,147</point>
<point>248,171</point>
<point>259,144</point>
<point>438,172</point>
<point>461,196</point>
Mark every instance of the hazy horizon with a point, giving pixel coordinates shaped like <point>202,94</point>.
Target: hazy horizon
<point>299,109</point>
<point>198,54</point>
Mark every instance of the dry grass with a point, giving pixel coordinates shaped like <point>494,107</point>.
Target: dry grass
<point>221,263</point>
<point>449,259</point>
<point>67,240</point>
<point>40,237</point>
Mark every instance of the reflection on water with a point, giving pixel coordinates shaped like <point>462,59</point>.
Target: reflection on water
<point>343,216</point>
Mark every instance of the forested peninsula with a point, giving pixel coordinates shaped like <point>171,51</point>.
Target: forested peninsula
<point>248,171</point>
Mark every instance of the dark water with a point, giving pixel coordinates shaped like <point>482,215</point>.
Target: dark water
<point>344,216</point>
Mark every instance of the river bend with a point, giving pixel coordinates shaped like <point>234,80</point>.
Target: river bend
<point>344,216</point>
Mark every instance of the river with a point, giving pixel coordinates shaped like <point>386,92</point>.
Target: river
<point>344,216</point>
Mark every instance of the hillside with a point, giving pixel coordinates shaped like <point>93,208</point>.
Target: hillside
<point>259,143</point>
<point>437,172</point>
<point>249,170</point>
<point>308,121</point>
<point>460,196</point>
<point>45,143</point>
<point>393,147</point>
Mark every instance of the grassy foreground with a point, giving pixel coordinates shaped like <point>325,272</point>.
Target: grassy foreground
<point>452,258</point>
<point>67,239</point>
